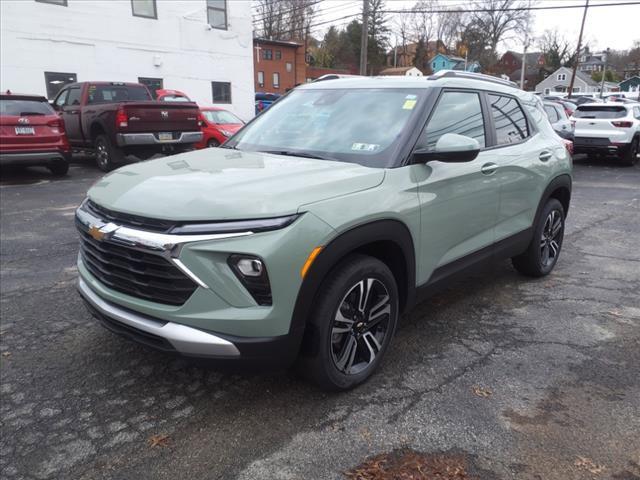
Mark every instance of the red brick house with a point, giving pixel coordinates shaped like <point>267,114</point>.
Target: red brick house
<point>278,66</point>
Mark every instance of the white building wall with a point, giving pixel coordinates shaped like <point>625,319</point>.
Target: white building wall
<point>102,40</point>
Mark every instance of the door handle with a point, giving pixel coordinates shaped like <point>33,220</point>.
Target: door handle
<point>545,156</point>
<point>489,168</point>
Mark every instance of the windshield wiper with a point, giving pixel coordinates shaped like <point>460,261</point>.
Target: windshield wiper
<point>291,153</point>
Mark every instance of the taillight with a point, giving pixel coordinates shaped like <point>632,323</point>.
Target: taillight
<point>622,124</point>
<point>56,125</point>
<point>122,120</point>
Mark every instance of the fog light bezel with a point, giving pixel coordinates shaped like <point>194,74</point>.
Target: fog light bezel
<point>258,286</point>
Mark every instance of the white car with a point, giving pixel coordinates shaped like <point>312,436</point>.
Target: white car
<point>607,129</point>
<point>559,120</point>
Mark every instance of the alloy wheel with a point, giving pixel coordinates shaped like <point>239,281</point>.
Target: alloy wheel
<point>550,241</point>
<point>360,326</point>
<point>102,154</point>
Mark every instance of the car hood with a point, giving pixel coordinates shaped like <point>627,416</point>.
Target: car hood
<point>224,184</point>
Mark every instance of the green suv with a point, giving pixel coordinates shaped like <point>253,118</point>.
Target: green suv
<point>312,229</point>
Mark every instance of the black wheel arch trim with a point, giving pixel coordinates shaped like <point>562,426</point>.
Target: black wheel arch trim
<point>561,181</point>
<point>348,242</point>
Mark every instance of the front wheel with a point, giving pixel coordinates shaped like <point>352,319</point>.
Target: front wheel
<point>353,321</point>
<point>543,251</point>
<point>213,143</point>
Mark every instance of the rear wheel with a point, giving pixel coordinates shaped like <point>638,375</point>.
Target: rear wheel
<point>630,158</point>
<point>543,251</point>
<point>108,156</point>
<point>58,168</point>
<point>353,321</point>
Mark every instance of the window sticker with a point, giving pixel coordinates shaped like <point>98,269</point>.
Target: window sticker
<point>409,104</point>
<point>365,147</point>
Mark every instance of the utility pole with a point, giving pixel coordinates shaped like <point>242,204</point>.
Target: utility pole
<point>524,60</point>
<point>604,72</point>
<point>365,37</point>
<point>575,65</point>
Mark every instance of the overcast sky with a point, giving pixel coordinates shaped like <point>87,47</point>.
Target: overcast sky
<point>615,27</point>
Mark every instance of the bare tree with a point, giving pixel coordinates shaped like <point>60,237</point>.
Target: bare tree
<point>284,19</point>
<point>402,29</point>
<point>501,19</point>
<point>556,48</point>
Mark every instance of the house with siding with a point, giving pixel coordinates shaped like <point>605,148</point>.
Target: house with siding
<point>449,62</point>
<point>630,84</point>
<point>559,81</point>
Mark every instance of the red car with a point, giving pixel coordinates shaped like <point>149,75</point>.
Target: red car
<point>32,133</point>
<point>217,124</point>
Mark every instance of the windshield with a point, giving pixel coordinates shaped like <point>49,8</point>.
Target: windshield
<point>220,116</point>
<point>600,112</point>
<point>24,108</point>
<point>350,125</point>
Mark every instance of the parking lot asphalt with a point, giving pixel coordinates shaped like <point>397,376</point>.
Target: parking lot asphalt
<point>526,379</point>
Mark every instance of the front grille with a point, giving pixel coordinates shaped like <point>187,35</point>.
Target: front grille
<point>128,220</point>
<point>139,274</point>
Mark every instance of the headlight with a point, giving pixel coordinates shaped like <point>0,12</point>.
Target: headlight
<point>252,273</point>
<point>255,226</point>
<point>226,133</point>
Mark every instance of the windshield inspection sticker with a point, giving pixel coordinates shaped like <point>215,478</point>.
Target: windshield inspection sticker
<point>409,104</point>
<point>365,147</point>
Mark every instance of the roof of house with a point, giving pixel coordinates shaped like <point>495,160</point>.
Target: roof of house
<point>635,78</point>
<point>532,57</point>
<point>585,78</point>
<point>396,70</point>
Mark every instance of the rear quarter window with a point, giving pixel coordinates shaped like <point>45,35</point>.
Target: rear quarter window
<point>600,112</point>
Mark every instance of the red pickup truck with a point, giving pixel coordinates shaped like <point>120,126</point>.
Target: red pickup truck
<point>116,119</point>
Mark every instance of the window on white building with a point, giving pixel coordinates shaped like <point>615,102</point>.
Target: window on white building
<point>62,3</point>
<point>217,13</point>
<point>289,67</point>
<point>562,77</point>
<point>276,80</point>
<point>152,84</point>
<point>56,80</point>
<point>261,79</point>
<point>144,8</point>
<point>221,92</point>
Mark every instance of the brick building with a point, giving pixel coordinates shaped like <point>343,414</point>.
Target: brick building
<point>278,65</point>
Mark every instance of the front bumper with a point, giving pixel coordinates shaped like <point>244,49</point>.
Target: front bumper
<point>150,138</point>
<point>157,333</point>
<point>33,158</point>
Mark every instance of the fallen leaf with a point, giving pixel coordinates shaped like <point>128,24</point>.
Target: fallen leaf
<point>587,464</point>
<point>482,392</point>
<point>159,440</point>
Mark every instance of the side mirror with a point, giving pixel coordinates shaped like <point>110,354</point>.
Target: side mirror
<point>450,147</point>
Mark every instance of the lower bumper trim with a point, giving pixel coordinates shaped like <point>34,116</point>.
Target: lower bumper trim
<point>132,139</point>
<point>185,340</point>
<point>32,158</point>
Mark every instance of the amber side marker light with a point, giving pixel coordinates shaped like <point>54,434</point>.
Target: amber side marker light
<point>307,265</point>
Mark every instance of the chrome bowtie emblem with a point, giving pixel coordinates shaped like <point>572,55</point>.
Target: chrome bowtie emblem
<point>103,232</point>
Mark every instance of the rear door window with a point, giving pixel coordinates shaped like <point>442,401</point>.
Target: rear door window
<point>551,113</point>
<point>456,112</point>
<point>509,119</point>
<point>600,112</point>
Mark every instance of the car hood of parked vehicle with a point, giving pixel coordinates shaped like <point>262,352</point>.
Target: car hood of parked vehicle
<point>225,184</point>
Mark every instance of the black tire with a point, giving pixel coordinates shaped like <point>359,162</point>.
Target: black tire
<point>58,168</point>
<point>543,251</point>
<point>630,158</point>
<point>347,343</point>
<point>108,156</point>
<point>213,143</point>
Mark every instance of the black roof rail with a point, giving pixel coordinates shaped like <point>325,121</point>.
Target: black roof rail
<point>471,76</point>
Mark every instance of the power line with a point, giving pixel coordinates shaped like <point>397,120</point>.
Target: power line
<point>481,10</point>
